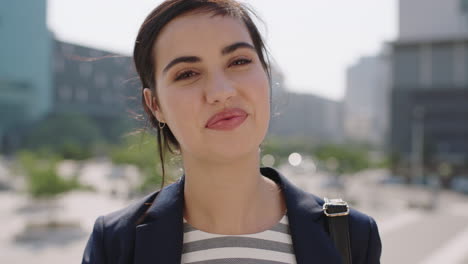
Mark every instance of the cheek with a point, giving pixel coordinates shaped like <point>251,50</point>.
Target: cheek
<point>259,88</point>
<point>181,106</point>
<point>176,101</point>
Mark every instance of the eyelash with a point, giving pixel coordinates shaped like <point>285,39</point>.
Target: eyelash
<point>183,75</point>
<point>245,61</point>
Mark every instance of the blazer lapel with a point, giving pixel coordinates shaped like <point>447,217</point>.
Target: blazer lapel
<point>311,243</point>
<point>159,239</point>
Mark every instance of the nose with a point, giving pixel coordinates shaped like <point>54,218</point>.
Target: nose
<point>219,89</point>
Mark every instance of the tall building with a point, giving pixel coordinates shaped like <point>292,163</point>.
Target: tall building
<point>25,66</point>
<point>40,77</point>
<point>429,115</point>
<point>95,83</point>
<point>365,104</point>
<point>432,19</point>
<point>307,116</point>
<point>90,81</point>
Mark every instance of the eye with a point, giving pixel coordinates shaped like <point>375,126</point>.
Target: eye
<point>185,75</point>
<point>239,62</point>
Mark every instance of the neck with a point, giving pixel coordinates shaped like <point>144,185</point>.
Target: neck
<point>230,197</point>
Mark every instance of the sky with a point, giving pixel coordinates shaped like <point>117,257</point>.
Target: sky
<point>313,42</point>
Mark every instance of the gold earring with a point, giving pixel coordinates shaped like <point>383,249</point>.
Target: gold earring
<point>161,127</point>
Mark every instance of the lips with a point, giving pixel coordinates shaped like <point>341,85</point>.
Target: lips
<point>227,114</point>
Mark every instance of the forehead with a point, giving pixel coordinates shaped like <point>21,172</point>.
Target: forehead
<point>197,33</point>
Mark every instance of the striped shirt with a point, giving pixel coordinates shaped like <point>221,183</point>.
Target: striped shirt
<point>272,246</point>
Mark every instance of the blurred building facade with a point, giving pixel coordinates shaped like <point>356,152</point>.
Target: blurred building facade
<point>88,80</point>
<point>94,83</point>
<point>365,104</point>
<point>41,77</point>
<point>432,19</point>
<point>307,116</point>
<point>303,116</point>
<point>429,97</point>
<point>25,66</point>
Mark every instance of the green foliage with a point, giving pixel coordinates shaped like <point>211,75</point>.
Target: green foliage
<point>70,135</point>
<point>41,176</point>
<point>338,158</point>
<point>143,153</point>
<point>385,163</point>
<point>281,148</point>
<point>348,159</point>
<point>151,180</point>
<point>114,131</point>
<point>75,151</point>
<point>137,151</point>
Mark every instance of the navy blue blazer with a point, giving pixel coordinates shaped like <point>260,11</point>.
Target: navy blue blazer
<point>152,232</point>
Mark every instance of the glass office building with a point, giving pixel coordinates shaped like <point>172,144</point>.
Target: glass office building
<point>25,66</point>
<point>429,97</point>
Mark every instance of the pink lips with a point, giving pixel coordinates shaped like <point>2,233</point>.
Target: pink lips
<point>227,119</point>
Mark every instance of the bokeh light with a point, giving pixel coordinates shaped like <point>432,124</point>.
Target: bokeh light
<point>295,159</point>
<point>268,160</point>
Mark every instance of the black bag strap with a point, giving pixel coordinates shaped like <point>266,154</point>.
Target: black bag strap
<point>337,212</point>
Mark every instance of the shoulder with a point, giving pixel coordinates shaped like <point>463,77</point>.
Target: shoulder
<point>365,238</point>
<point>359,222</point>
<point>366,245</point>
<point>363,232</point>
<point>114,232</point>
<point>128,216</point>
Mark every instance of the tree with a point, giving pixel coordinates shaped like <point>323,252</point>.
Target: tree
<point>42,180</point>
<point>348,159</point>
<point>71,135</point>
<point>143,153</point>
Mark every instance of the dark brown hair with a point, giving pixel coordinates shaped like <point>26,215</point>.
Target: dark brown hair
<point>144,58</point>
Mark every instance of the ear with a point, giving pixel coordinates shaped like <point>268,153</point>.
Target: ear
<point>150,101</point>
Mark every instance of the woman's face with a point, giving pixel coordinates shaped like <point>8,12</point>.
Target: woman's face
<point>206,64</point>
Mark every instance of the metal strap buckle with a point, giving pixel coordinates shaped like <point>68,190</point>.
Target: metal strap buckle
<point>335,202</point>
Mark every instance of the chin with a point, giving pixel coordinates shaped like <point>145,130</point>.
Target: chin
<point>227,148</point>
<point>228,151</point>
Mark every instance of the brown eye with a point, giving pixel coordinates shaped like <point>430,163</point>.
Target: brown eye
<point>185,75</point>
<point>241,62</point>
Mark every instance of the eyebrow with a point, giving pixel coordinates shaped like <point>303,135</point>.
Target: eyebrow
<point>192,59</point>
<point>189,59</point>
<point>231,48</point>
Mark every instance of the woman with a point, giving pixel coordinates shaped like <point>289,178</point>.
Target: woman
<point>207,91</point>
